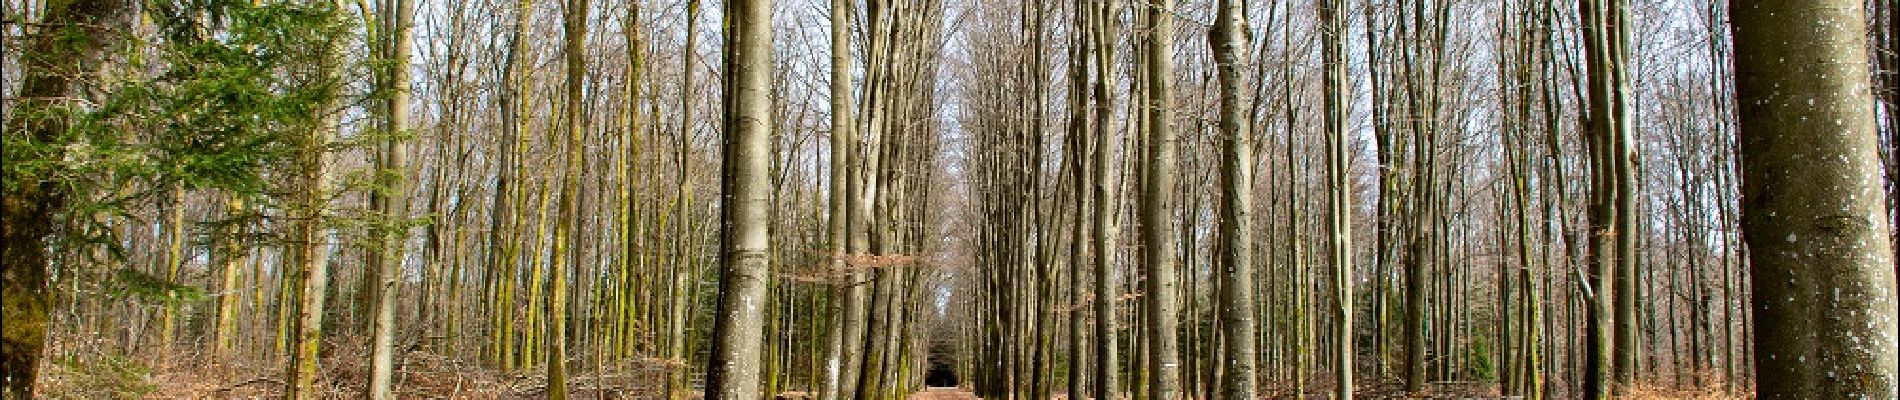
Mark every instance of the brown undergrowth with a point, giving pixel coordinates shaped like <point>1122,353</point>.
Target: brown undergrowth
<point>188,373</point>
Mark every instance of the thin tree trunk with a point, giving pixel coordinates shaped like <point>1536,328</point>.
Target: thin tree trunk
<point>1077,159</point>
<point>844,280</point>
<point>312,255</point>
<point>234,255</point>
<point>1332,20</point>
<point>1102,231</point>
<point>1613,330</point>
<point>566,232</point>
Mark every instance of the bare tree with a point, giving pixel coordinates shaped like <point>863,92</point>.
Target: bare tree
<point>733,370</point>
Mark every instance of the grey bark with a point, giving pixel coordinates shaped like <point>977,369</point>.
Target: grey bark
<point>394,200</point>
<point>1102,227</point>
<point>1339,190</point>
<point>1813,210</point>
<point>733,369</point>
<point>1236,281</point>
<point>1157,210</point>
<point>840,203</point>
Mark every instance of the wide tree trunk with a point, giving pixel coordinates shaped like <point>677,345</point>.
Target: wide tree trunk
<point>52,60</point>
<point>1813,209</point>
<point>733,369</point>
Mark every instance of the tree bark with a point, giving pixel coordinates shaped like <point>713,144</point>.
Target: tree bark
<point>837,231</point>
<point>388,259</point>
<point>1612,329</point>
<point>1102,229</point>
<point>566,231</point>
<point>311,255</point>
<point>1157,209</point>
<point>1339,190</point>
<point>1814,214</point>
<point>1236,223</point>
<point>50,68</point>
<point>733,369</point>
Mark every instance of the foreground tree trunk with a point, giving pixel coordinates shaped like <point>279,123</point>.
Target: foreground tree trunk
<point>837,232</point>
<point>566,231</point>
<point>311,255</point>
<point>1611,327</point>
<point>1236,301</point>
<point>733,369</point>
<point>1813,208</point>
<point>1339,189</point>
<point>50,65</point>
<point>1157,207</point>
<point>395,201</point>
<point>1102,229</point>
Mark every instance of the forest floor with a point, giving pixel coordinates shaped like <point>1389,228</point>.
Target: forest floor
<point>190,375</point>
<point>937,393</point>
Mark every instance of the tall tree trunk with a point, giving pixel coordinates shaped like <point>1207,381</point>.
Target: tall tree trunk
<point>566,231</point>
<point>1077,160</point>
<point>72,36</point>
<point>503,240</point>
<point>394,192</point>
<point>682,269</point>
<point>312,256</point>
<point>844,280</point>
<point>733,369</point>
<point>1102,229</point>
<point>1613,328</point>
<point>1158,206</point>
<point>1814,212</point>
<point>1228,38</point>
<point>1339,189</point>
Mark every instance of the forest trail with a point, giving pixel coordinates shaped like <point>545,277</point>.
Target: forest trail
<point>939,393</point>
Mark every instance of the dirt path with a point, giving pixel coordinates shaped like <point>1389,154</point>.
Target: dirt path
<point>942,394</point>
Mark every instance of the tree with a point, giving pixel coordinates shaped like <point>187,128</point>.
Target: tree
<point>393,196</point>
<point>573,124</point>
<point>845,296</point>
<point>1101,229</point>
<point>1077,164</point>
<point>733,370</point>
<point>1236,304</point>
<point>1813,211</point>
<point>1157,206</point>
<point>312,255</point>
<point>51,70</point>
<point>1339,188</point>
<point>1612,328</point>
